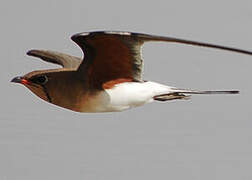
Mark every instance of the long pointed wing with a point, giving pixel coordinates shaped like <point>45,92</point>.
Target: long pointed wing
<point>117,55</point>
<point>62,59</point>
<point>109,56</point>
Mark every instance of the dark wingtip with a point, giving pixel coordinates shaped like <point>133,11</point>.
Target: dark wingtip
<point>234,92</point>
<point>32,52</point>
<point>38,53</point>
<point>29,53</point>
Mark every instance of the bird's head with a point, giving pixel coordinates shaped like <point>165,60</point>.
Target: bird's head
<point>57,86</point>
<point>38,82</point>
<point>54,86</point>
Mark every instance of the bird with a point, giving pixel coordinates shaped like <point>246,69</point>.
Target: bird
<point>109,76</point>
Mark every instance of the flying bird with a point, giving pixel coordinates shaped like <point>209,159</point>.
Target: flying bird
<point>109,77</point>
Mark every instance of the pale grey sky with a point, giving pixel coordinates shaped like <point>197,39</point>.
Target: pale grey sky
<point>208,137</point>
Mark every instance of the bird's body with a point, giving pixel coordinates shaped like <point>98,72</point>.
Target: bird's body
<point>109,78</point>
<point>124,96</point>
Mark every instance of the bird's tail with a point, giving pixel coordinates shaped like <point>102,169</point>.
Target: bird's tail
<point>186,93</point>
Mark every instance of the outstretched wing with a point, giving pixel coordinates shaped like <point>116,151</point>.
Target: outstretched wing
<point>109,56</point>
<point>65,60</point>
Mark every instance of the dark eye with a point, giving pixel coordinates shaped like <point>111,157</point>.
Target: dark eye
<point>40,80</point>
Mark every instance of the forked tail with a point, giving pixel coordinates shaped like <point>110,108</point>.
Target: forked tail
<point>185,94</point>
<point>186,91</point>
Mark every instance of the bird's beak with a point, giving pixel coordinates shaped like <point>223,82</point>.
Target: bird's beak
<point>19,79</point>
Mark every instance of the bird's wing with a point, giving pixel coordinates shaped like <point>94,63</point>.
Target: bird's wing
<point>111,55</point>
<point>65,60</point>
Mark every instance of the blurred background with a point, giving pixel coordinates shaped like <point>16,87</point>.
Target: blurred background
<point>208,137</point>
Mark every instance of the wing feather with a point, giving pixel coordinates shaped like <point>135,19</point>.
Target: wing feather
<point>115,55</point>
<point>65,60</point>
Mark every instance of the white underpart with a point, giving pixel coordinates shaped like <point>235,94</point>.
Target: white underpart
<point>132,94</point>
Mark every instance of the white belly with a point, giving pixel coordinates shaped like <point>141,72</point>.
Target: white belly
<point>132,94</point>
<point>124,96</point>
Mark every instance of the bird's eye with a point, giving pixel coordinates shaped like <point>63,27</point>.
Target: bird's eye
<point>40,80</point>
